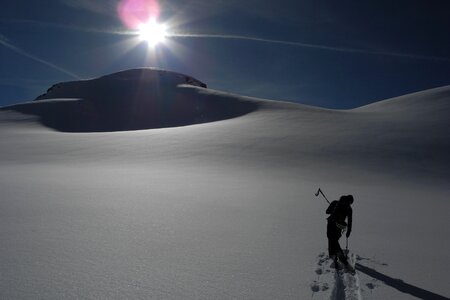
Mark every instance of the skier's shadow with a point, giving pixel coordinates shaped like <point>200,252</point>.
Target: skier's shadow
<point>400,284</point>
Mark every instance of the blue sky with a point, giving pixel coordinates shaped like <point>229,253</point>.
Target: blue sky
<point>337,54</point>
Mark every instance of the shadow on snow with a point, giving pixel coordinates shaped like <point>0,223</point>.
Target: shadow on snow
<point>400,285</point>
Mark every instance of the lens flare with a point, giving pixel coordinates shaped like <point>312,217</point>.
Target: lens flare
<point>134,13</point>
<point>152,32</point>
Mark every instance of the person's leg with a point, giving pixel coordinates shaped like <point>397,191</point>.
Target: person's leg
<point>333,247</point>
<point>332,239</point>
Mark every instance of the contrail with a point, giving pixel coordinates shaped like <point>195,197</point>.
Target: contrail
<point>237,37</point>
<point>4,42</point>
<point>71,27</point>
<point>312,46</point>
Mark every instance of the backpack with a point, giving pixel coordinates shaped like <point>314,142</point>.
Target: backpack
<point>333,210</point>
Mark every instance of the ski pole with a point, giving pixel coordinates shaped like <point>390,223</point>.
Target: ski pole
<point>320,191</point>
<point>346,248</point>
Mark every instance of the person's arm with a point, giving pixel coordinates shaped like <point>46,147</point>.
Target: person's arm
<point>349,223</point>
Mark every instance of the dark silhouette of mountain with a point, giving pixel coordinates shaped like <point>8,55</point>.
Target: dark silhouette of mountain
<point>131,100</point>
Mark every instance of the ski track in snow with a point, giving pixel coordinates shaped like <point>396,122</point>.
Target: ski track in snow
<point>328,284</point>
<point>333,285</point>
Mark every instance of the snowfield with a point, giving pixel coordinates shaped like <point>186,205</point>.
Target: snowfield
<point>142,184</point>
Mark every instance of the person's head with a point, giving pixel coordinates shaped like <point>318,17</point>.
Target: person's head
<point>346,199</point>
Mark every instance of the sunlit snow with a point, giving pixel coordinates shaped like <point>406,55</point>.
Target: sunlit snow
<point>220,205</point>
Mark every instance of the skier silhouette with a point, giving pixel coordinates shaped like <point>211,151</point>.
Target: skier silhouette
<point>339,211</point>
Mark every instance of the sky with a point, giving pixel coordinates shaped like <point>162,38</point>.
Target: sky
<point>334,54</point>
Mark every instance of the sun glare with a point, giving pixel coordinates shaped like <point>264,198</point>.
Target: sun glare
<point>152,32</point>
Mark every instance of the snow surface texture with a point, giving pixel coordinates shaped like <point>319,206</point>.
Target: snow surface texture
<point>223,208</point>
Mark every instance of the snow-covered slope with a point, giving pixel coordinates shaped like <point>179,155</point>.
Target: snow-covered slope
<point>222,208</point>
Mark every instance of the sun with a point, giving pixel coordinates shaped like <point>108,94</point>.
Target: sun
<point>152,32</point>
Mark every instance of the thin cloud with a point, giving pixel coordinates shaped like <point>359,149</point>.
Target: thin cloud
<point>312,46</point>
<point>4,42</point>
